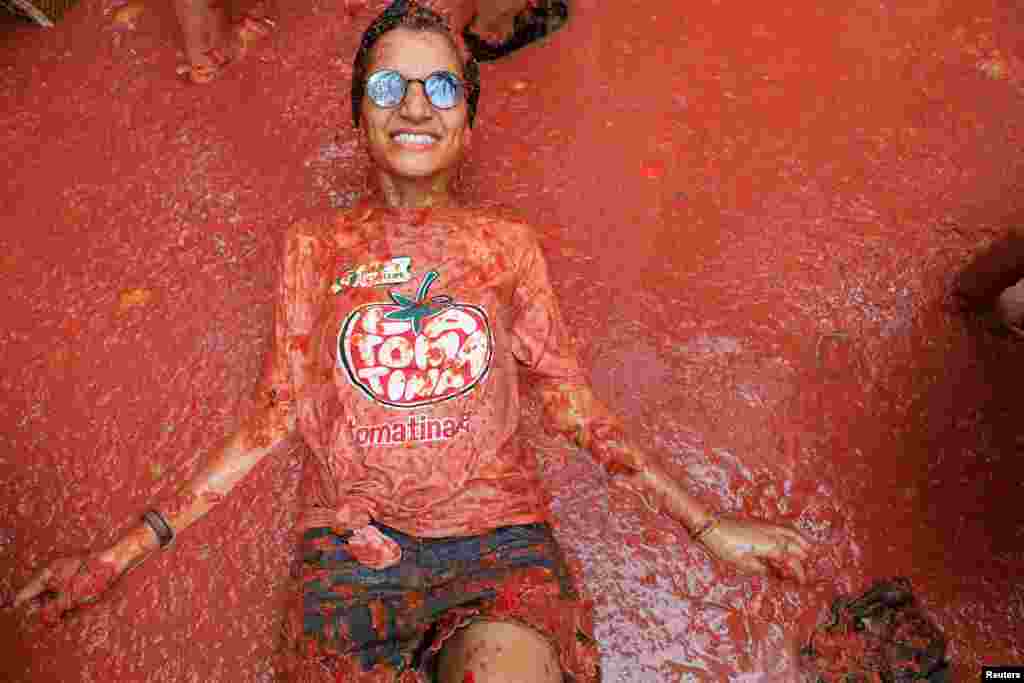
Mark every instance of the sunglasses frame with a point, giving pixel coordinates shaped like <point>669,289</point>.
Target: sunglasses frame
<point>460,86</point>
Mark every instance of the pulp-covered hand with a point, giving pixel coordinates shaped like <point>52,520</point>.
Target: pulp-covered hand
<point>69,582</point>
<point>759,548</point>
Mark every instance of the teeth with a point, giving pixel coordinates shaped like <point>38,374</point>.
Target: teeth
<point>413,139</point>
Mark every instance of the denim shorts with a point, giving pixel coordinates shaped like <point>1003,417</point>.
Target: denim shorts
<point>363,624</point>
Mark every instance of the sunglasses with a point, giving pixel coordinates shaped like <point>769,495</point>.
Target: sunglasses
<point>387,88</point>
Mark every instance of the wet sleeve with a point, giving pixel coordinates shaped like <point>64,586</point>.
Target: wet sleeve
<point>547,352</point>
<point>275,383</point>
<point>273,419</point>
<point>298,284</point>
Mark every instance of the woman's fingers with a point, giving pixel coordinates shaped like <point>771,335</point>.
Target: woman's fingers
<point>786,558</point>
<point>70,579</point>
<point>786,567</point>
<point>796,537</point>
<point>796,569</point>
<point>788,546</point>
<point>52,611</point>
<point>753,565</point>
<point>798,559</point>
<point>762,549</point>
<point>36,586</point>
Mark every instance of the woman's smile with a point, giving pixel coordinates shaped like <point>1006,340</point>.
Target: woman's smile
<point>415,141</point>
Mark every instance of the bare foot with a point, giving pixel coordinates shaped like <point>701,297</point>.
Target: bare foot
<point>234,46</point>
<point>126,16</point>
<point>249,29</point>
<point>206,67</point>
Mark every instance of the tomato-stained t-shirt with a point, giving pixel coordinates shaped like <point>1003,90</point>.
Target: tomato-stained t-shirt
<point>399,335</point>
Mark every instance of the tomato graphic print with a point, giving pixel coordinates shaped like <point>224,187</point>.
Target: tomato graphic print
<point>414,352</point>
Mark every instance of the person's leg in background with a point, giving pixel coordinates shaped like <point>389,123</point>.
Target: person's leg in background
<point>1010,308</point>
<point>212,39</point>
<point>495,19</point>
<point>500,27</point>
<point>198,29</point>
<point>994,281</point>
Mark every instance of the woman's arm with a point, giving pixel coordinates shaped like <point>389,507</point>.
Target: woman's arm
<point>570,408</point>
<point>266,429</point>
<point>79,579</point>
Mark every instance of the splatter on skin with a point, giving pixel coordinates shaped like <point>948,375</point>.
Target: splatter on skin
<point>76,581</point>
<point>504,576</point>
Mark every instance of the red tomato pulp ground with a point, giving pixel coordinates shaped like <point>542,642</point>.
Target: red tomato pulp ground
<point>753,216</point>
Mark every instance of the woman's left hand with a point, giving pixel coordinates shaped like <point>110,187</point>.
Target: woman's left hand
<point>68,582</point>
<point>759,548</point>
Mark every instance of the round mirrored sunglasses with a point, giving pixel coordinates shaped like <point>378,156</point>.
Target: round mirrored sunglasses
<point>387,88</point>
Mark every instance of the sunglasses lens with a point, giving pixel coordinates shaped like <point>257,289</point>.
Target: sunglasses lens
<point>443,89</point>
<point>385,88</point>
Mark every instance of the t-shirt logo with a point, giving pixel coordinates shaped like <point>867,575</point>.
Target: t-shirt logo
<point>393,272</point>
<point>414,352</point>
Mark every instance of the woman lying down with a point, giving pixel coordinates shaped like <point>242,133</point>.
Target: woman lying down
<point>402,328</point>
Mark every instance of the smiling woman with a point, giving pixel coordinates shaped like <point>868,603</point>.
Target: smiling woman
<point>401,328</point>
<point>422,92</point>
<point>409,136</point>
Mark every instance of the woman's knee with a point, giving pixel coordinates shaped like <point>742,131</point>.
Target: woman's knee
<point>498,652</point>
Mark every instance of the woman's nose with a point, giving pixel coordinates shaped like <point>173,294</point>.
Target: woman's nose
<point>416,105</point>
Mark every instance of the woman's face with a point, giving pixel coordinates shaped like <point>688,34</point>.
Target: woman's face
<point>415,140</point>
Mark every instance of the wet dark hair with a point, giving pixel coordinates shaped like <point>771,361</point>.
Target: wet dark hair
<point>410,15</point>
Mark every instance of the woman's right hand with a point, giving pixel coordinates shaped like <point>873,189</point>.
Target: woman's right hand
<point>69,582</point>
<point>759,548</point>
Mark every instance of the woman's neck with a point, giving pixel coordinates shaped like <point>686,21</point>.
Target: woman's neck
<point>418,193</point>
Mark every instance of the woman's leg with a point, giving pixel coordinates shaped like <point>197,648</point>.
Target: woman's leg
<point>498,652</point>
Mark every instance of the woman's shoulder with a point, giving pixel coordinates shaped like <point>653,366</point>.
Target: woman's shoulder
<point>326,227</point>
<point>504,223</point>
<point>309,226</point>
<point>499,213</point>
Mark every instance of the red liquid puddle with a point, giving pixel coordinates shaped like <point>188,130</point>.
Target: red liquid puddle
<point>764,302</point>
